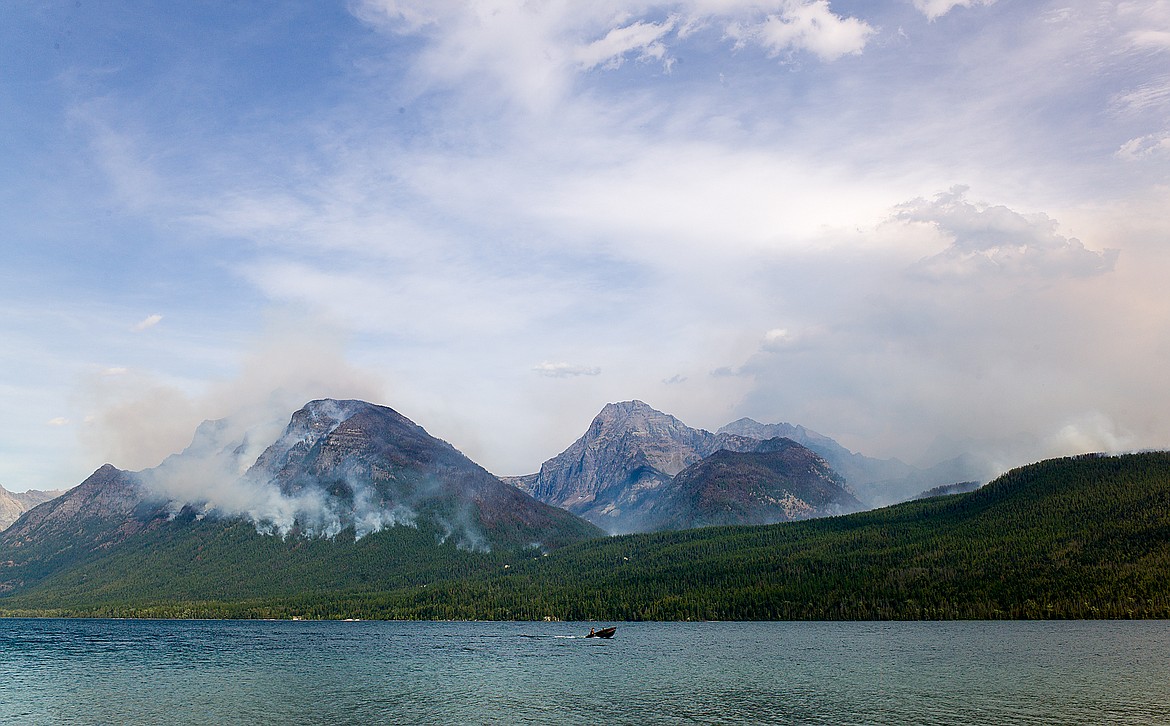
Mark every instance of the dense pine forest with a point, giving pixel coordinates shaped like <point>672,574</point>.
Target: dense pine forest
<point>1082,537</point>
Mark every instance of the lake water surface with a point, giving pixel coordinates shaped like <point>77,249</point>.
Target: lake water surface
<point>205,672</point>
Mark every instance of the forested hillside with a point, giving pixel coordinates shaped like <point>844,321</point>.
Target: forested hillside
<point>1084,537</point>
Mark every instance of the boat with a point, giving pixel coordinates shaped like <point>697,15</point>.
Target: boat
<point>603,633</point>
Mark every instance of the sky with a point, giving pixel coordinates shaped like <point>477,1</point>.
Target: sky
<point>921,227</point>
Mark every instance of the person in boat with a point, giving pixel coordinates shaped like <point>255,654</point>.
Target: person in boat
<point>591,633</point>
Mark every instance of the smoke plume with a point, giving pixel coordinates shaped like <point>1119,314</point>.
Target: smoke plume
<point>135,420</point>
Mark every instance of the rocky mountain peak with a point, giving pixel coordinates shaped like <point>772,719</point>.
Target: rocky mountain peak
<point>636,418</point>
<point>306,429</point>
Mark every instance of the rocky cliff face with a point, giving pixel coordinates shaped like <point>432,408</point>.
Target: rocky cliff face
<point>780,481</point>
<point>615,471</point>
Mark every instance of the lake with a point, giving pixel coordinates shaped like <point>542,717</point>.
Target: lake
<point>210,672</point>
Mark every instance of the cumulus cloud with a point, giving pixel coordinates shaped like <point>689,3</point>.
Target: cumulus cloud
<point>565,370</point>
<point>937,8</point>
<point>989,239</point>
<point>147,323</point>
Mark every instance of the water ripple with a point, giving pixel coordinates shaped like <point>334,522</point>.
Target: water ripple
<point>205,672</point>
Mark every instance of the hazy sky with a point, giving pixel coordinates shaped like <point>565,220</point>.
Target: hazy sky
<point>917,226</point>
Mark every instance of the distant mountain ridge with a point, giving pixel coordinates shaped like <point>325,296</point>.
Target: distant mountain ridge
<point>779,481</point>
<point>626,474</point>
<point>613,474</point>
<point>878,482</point>
<point>14,504</point>
<point>618,472</point>
<point>858,470</point>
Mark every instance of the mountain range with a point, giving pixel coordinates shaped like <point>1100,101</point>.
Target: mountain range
<point>619,472</point>
<point>877,482</point>
<point>350,464</point>
<point>1082,537</point>
<point>351,471</point>
<point>624,462</point>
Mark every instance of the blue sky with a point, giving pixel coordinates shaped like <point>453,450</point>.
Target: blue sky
<point>918,226</point>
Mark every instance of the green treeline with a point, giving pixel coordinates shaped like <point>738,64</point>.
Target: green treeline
<point>1083,537</point>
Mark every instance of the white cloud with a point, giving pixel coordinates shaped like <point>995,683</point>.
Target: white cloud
<point>610,51</point>
<point>1148,23</point>
<point>403,16</point>
<point>1145,147</point>
<point>147,323</point>
<point>937,8</point>
<point>58,421</point>
<point>809,26</point>
<point>995,240</point>
<point>779,339</point>
<point>1156,39</point>
<point>532,50</point>
<point>1152,96</point>
<point>565,370</point>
